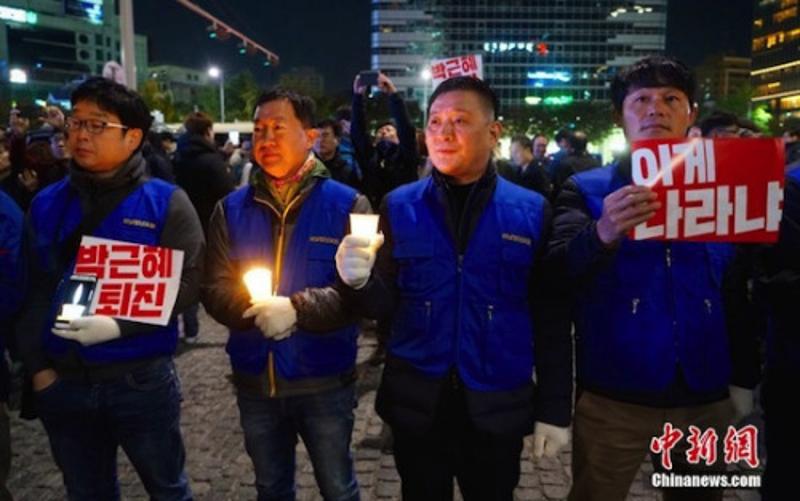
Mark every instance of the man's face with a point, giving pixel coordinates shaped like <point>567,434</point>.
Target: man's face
<point>539,147</point>
<point>106,150</point>
<point>58,145</point>
<point>520,155</point>
<point>326,143</point>
<point>281,143</point>
<point>169,145</point>
<point>387,132</point>
<point>461,134</point>
<point>656,112</point>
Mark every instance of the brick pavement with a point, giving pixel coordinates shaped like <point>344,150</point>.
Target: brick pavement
<point>219,468</point>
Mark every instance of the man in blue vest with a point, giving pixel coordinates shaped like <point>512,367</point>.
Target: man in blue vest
<point>461,279</point>
<point>12,292</point>
<point>102,383</point>
<point>293,354</point>
<point>661,327</point>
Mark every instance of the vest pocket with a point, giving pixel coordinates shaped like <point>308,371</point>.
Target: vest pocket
<point>506,345</point>
<point>321,264</point>
<point>415,267</point>
<point>411,328</point>
<point>515,269</point>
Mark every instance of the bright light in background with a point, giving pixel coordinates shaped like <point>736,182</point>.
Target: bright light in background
<point>214,72</point>
<point>561,76</point>
<point>533,100</point>
<point>425,74</point>
<point>16,75</point>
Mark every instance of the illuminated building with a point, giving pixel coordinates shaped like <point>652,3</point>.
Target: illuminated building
<point>776,63</point>
<point>54,42</point>
<point>535,52</point>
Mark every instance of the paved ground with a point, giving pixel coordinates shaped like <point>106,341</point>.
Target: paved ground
<point>220,469</point>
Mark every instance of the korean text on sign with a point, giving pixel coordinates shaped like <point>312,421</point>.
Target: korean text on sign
<point>720,190</point>
<point>469,65</point>
<point>134,282</point>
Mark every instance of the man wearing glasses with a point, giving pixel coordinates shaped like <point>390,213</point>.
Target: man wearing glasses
<point>99,382</point>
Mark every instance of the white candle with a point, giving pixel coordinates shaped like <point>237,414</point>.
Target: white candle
<point>71,311</point>
<point>364,225</point>
<point>259,283</point>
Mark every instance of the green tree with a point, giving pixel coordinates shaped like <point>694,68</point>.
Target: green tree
<point>156,99</point>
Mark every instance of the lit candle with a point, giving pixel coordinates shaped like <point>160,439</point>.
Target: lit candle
<point>364,225</point>
<point>71,311</point>
<point>259,283</point>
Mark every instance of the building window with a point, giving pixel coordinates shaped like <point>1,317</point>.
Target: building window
<point>82,38</point>
<point>83,54</point>
<point>758,23</point>
<point>783,15</point>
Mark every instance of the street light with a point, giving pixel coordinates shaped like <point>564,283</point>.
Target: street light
<point>216,73</point>
<point>425,75</point>
<point>17,75</point>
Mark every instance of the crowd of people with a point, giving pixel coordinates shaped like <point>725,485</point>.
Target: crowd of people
<point>508,297</point>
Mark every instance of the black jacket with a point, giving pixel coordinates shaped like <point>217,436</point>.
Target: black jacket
<point>413,392</point>
<point>384,166</point>
<point>342,171</point>
<point>201,170</point>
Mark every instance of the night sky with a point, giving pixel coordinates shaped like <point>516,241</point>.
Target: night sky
<point>334,36</point>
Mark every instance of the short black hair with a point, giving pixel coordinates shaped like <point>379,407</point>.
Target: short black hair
<point>114,98</point>
<point>303,106</point>
<point>333,124</point>
<point>717,119</point>
<point>198,123</point>
<point>344,112</point>
<point>653,71</point>
<point>562,135</point>
<point>522,140</point>
<point>384,123</point>
<point>577,141</point>
<point>469,84</point>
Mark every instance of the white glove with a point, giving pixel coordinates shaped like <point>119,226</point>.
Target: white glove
<point>275,316</point>
<point>355,258</point>
<point>548,439</point>
<point>90,330</point>
<point>742,400</point>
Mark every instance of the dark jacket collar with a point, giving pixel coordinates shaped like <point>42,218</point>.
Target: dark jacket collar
<point>85,181</point>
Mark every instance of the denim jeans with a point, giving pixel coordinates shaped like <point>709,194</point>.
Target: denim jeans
<point>87,422</point>
<point>325,423</point>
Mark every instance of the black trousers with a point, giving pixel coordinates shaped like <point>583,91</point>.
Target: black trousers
<point>783,442</point>
<point>485,465</point>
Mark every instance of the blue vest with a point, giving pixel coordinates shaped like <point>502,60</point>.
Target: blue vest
<point>55,213</point>
<point>658,305</point>
<point>12,286</point>
<point>470,312</point>
<point>308,262</point>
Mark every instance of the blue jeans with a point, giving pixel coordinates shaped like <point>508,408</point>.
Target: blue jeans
<point>87,422</point>
<point>325,423</point>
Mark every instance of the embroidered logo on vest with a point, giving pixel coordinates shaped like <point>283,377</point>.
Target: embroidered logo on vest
<point>324,240</point>
<point>517,238</point>
<point>139,222</point>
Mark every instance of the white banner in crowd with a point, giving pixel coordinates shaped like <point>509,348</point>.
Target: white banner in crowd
<point>461,66</point>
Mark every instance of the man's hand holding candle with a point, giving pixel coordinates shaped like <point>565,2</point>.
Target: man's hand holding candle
<point>274,316</point>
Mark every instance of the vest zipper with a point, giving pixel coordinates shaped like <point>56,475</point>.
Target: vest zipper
<point>271,379</point>
<point>634,305</point>
<point>669,257</point>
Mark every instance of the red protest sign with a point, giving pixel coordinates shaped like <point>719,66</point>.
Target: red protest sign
<point>711,190</point>
<point>134,282</point>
